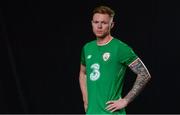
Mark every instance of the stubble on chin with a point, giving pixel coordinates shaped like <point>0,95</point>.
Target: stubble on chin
<point>101,36</point>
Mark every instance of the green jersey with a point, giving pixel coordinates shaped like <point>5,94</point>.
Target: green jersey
<point>105,69</point>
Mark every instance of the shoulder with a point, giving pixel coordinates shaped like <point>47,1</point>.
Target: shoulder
<point>90,44</point>
<point>120,43</point>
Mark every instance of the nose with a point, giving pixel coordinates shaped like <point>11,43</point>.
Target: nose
<point>99,25</point>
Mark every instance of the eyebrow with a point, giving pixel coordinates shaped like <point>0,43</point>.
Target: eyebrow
<point>99,21</point>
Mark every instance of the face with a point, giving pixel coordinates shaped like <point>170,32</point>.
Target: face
<point>101,25</point>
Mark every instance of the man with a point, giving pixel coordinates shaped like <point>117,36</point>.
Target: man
<point>103,65</point>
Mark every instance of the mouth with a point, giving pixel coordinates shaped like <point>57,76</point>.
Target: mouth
<point>99,32</point>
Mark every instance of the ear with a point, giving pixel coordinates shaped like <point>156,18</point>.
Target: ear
<point>91,22</point>
<point>112,25</point>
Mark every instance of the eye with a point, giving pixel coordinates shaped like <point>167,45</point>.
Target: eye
<point>104,22</point>
<point>95,22</point>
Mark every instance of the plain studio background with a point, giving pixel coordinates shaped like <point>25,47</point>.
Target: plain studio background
<point>41,42</point>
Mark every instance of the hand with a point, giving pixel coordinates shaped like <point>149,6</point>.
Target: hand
<point>85,106</point>
<point>116,105</point>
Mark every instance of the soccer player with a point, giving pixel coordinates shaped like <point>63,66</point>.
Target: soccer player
<point>103,65</point>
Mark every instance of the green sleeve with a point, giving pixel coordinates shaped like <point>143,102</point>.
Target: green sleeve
<point>126,55</point>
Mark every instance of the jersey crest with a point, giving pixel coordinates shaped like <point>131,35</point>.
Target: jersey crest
<point>106,56</point>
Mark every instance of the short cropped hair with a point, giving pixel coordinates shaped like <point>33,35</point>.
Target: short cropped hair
<point>104,10</point>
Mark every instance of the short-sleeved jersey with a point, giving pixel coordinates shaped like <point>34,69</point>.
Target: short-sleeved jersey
<point>105,69</point>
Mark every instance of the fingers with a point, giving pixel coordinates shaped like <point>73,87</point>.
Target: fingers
<point>85,107</point>
<point>111,106</point>
<point>115,105</point>
<point>110,102</point>
<point>114,110</point>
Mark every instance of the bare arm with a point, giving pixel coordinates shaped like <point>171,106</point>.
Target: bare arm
<point>143,77</point>
<point>82,81</point>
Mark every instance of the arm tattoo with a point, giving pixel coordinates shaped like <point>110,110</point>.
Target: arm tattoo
<point>143,77</point>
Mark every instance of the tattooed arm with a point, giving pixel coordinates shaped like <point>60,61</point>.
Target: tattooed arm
<point>143,77</point>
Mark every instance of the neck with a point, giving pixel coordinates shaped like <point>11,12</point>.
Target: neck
<point>105,40</point>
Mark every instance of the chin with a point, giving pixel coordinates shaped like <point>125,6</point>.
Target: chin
<point>100,35</point>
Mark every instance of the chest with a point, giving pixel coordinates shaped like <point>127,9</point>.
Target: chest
<point>103,56</point>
